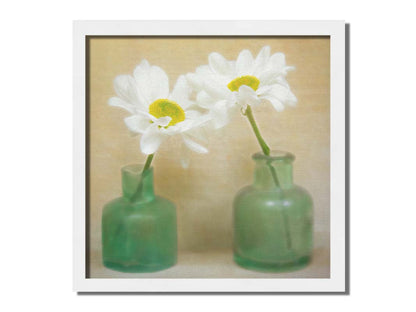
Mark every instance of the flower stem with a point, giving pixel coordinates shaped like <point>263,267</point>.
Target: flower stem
<point>262,142</point>
<point>266,151</point>
<point>263,145</point>
<point>148,162</point>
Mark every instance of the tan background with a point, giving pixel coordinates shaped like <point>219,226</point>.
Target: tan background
<point>204,192</point>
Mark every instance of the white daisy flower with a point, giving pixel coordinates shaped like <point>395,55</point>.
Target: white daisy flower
<point>156,113</point>
<point>224,87</point>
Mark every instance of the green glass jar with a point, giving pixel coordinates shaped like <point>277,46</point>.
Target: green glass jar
<point>139,229</point>
<point>273,218</point>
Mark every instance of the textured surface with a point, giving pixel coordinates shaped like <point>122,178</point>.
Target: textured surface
<point>218,263</point>
<point>203,194</point>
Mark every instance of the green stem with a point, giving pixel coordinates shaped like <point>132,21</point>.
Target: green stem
<point>148,162</point>
<point>262,142</point>
<point>263,145</point>
<point>140,185</point>
<point>266,151</point>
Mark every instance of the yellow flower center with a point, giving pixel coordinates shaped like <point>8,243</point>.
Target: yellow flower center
<point>250,81</point>
<point>164,108</point>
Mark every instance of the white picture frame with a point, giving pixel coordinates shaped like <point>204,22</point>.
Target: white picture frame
<point>338,281</point>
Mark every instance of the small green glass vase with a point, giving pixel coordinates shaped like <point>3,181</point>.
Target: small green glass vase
<point>273,218</point>
<point>139,229</point>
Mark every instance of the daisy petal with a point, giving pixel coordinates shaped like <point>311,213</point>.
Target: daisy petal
<point>144,64</point>
<point>117,102</point>
<point>152,81</point>
<point>245,63</point>
<point>126,89</point>
<point>193,120</point>
<point>163,121</point>
<point>277,61</point>
<point>147,115</point>
<point>181,92</point>
<point>203,70</point>
<point>247,96</point>
<point>263,90</point>
<point>159,82</point>
<point>192,114</point>
<point>289,68</point>
<point>194,81</point>
<point>218,64</point>
<point>151,139</point>
<point>141,75</point>
<point>283,94</point>
<point>137,123</point>
<point>192,145</point>
<point>185,156</point>
<point>215,88</point>
<point>198,133</point>
<point>261,59</point>
<point>282,81</point>
<point>278,106</point>
<point>204,100</point>
<point>220,114</point>
<point>269,77</point>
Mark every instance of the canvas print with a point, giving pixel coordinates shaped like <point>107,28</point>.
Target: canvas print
<point>208,157</point>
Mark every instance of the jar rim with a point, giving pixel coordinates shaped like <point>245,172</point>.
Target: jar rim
<point>274,155</point>
<point>135,168</point>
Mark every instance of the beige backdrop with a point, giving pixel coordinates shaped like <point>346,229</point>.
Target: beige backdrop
<point>204,192</point>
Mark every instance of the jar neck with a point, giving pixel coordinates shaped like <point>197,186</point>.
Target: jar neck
<point>137,186</point>
<point>274,171</point>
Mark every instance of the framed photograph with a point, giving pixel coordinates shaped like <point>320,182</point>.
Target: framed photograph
<point>209,156</point>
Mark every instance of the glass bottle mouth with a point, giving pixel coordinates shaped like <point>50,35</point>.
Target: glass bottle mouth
<point>275,156</point>
<point>137,186</point>
<point>135,169</point>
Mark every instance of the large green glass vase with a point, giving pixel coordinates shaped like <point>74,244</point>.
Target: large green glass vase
<point>139,228</point>
<point>273,218</point>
